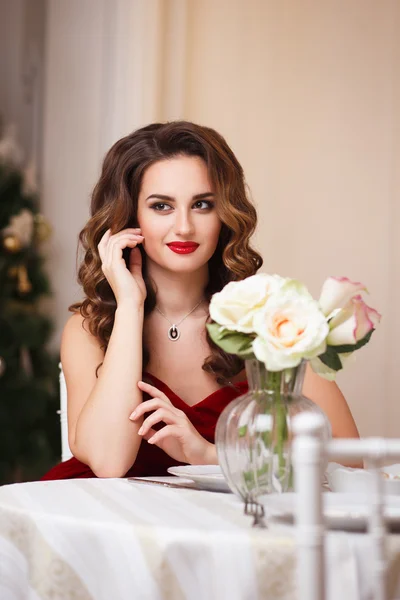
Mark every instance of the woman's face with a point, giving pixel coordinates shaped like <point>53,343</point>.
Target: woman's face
<point>177,215</point>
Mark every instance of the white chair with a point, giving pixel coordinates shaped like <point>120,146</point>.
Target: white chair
<point>309,455</point>
<point>65,449</point>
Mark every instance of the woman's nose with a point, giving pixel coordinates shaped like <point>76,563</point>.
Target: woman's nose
<point>183,223</point>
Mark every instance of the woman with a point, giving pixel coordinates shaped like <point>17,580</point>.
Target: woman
<point>170,226</point>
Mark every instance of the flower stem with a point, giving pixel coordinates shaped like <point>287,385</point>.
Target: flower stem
<point>281,425</point>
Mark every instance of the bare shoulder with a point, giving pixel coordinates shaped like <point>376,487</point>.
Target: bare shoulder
<point>79,348</point>
<point>76,332</point>
<point>329,397</point>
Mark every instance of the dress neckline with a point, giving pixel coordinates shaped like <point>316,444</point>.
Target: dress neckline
<point>240,386</point>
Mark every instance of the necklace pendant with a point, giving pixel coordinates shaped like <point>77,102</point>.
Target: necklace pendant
<point>174,333</point>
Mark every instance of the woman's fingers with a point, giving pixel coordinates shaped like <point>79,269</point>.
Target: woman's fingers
<point>153,391</point>
<point>149,434</point>
<point>164,433</point>
<point>133,230</point>
<point>125,281</point>
<point>114,249</point>
<point>117,246</point>
<point>108,239</point>
<point>153,404</point>
<point>166,415</point>
<point>118,242</point>
<point>116,239</point>
<point>107,235</point>
<point>103,245</point>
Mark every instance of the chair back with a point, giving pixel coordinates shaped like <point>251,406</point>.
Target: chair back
<point>310,454</point>
<point>65,449</point>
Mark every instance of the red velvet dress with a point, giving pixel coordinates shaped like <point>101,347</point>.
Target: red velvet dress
<point>151,460</point>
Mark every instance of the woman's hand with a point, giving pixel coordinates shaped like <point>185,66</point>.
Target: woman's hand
<point>126,283</point>
<point>178,438</point>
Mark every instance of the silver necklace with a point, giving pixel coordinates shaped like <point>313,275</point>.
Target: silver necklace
<point>173,332</point>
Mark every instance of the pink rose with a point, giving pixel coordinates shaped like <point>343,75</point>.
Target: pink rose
<point>336,292</point>
<point>352,323</point>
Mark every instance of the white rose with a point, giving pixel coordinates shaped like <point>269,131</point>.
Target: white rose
<point>337,291</point>
<point>351,323</point>
<point>239,301</point>
<point>290,327</point>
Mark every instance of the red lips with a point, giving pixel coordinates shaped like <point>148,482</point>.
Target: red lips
<point>183,247</point>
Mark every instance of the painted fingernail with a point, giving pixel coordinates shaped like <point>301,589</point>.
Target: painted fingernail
<point>132,415</point>
<point>150,441</point>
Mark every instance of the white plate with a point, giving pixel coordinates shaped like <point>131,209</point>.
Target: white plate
<point>207,477</point>
<point>341,511</point>
<point>345,479</point>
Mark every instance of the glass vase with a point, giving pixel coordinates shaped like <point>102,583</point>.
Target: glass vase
<point>253,433</point>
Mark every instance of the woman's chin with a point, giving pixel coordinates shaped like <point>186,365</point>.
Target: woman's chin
<point>184,267</point>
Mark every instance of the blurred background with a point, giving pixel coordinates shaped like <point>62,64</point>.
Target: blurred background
<point>306,93</point>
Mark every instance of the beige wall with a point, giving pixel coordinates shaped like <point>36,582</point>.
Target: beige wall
<point>393,282</point>
<point>306,93</point>
<point>21,71</point>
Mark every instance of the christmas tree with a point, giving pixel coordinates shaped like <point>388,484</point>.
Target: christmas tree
<point>29,396</point>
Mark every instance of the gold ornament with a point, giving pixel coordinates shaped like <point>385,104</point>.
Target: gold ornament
<point>13,272</point>
<point>21,226</point>
<point>11,243</point>
<point>43,228</point>
<point>24,285</point>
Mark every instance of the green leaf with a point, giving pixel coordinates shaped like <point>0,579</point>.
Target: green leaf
<point>224,333</point>
<point>232,342</point>
<point>331,359</point>
<point>247,345</point>
<point>237,343</point>
<point>216,332</point>
<point>345,348</point>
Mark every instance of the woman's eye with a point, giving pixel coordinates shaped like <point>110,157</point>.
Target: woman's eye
<point>200,204</point>
<point>160,207</point>
<point>203,204</point>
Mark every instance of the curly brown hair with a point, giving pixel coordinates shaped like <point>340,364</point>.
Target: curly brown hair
<point>114,206</point>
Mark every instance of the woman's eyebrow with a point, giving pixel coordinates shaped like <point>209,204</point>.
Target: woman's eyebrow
<point>171,199</point>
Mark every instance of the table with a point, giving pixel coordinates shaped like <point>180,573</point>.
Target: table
<point>118,539</point>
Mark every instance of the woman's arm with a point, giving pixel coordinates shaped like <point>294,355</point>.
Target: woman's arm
<point>329,397</point>
<point>99,430</point>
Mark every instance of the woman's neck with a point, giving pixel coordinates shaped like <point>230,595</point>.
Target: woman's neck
<point>178,293</point>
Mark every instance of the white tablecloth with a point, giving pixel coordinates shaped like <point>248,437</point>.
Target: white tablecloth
<point>117,539</point>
